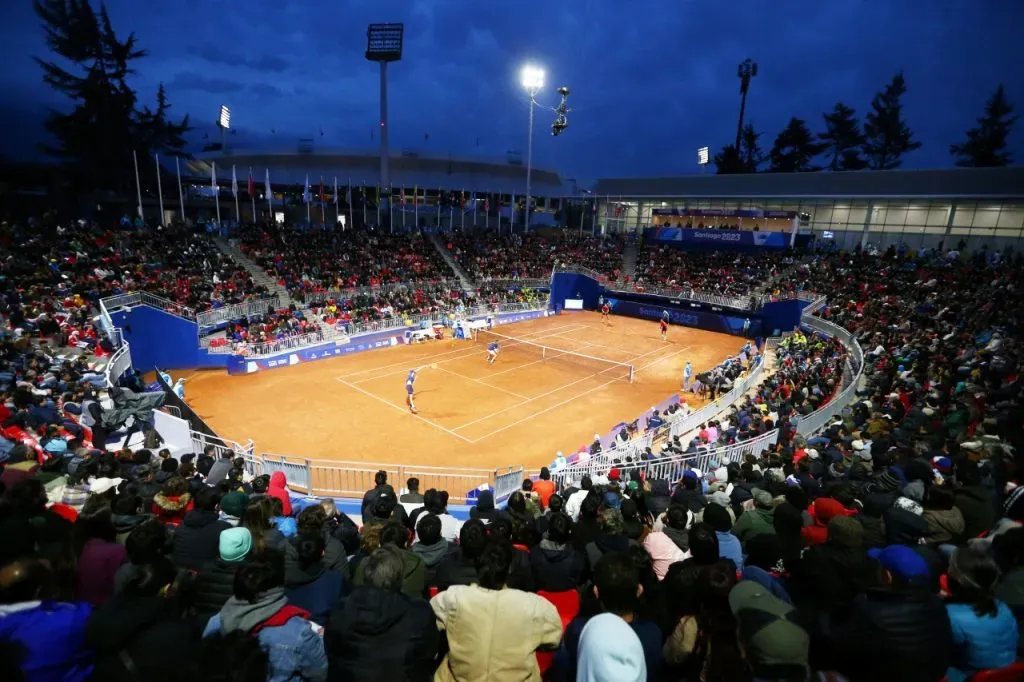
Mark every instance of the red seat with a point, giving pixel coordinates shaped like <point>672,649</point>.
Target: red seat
<point>1011,673</point>
<point>568,605</point>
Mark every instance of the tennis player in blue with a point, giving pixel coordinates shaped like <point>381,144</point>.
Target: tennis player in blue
<point>409,390</point>
<point>493,348</point>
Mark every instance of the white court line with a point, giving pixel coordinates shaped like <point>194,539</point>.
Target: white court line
<point>439,355</point>
<point>591,343</point>
<point>554,390</point>
<point>547,409</point>
<point>472,350</point>
<point>478,381</point>
<point>403,410</point>
<point>661,359</point>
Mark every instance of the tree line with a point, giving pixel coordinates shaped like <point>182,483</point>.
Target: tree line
<point>91,65</point>
<point>879,144</point>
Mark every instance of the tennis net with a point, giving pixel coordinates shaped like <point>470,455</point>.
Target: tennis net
<point>601,366</point>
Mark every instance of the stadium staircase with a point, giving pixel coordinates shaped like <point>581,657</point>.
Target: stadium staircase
<point>259,275</point>
<point>629,262</point>
<point>460,272</point>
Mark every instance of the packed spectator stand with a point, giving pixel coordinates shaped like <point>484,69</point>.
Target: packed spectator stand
<point>725,273</point>
<point>889,546</point>
<point>490,255</point>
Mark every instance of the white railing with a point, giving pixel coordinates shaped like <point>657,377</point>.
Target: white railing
<point>580,270</point>
<point>246,309</point>
<point>135,298</point>
<point>259,350</point>
<point>352,479</point>
<point>685,294</point>
<point>316,298</point>
<point>528,283</point>
<point>221,446</point>
<point>817,420</point>
<point>120,362</point>
<point>680,426</point>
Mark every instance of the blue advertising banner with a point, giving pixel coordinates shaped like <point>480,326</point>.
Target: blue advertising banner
<point>715,322</point>
<point>718,238</point>
<point>240,364</point>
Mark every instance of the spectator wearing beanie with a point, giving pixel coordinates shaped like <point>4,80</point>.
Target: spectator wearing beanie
<point>898,629</point>
<point>757,521</point>
<point>232,507</point>
<point>196,541</point>
<point>213,584</point>
<point>729,547</point>
<point>771,640</point>
<point>831,574</point>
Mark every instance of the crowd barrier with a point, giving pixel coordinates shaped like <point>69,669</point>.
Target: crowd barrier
<point>679,293</point>
<point>529,283</point>
<point>817,420</point>
<point>352,479</point>
<point>319,298</point>
<point>237,311</point>
<point>112,303</point>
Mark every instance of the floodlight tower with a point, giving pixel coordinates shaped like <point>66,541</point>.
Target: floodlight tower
<point>745,71</point>
<point>223,122</point>
<point>532,79</point>
<point>383,45</point>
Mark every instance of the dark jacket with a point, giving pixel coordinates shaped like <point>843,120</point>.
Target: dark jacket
<point>144,632</point>
<point>657,500</point>
<point>197,539</point>
<point>976,504</point>
<point>334,559</point>
<point>432,556</point>
<point>414,571</point>
<point>901,634</point>
<point>213,585</point>
<point>680,537</point>
<point>316,590</point>
<point>455,569</point>
<point>693,500</point>
<point>556,568</point>
<point>874,530</point>
<point>829,577</point>
<point>605,544</point>
<point>380,635</point>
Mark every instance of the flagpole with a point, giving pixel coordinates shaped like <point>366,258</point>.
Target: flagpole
<point>583,210</point>
<point>416,206</point>
<point>487,213</point>
<point>216,190</point>
<point>307,198</point>
<point>138,185</point>
<point>451,214</point>
<point>181,195</point>
<point>252,195</point>
<point>391,209</point>
<point>402,196</point>
<point>234,190</point>
<point>378,204</point>
<point>270,196</point>
<point>351,218</point>
<point>336,210</point>
<point>437,220</point>
<point>462,206</point>
<point>159,188</point>
<point>473,198</point>
<point>362,200</point>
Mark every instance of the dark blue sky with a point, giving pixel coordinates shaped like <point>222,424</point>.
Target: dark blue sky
<point>651,80</point>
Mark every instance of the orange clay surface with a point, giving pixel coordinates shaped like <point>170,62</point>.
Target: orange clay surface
<point>520,410</point>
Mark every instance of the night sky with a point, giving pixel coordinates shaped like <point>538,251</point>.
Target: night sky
<point>651,80</point>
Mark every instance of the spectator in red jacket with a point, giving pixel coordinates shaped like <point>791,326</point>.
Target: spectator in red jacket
<point>279,489</point>
<point>822,510</point>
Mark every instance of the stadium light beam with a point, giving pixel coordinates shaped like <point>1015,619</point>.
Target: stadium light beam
<point>383,45</point>
<point>532,79</point>
<point>223,122</point>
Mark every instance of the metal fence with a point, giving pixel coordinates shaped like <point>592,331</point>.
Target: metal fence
<point>683,425</point>
<point>222,446</point>
<point>352,479</point>
<point>815,421</point>
<point>120,362</point>
<point>318,298</point>
<point>685,294</point>
<point>246,309</point>
<point>529,283</point>
<point>112,303</point>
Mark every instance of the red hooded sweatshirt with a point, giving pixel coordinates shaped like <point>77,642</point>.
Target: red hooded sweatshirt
<point>276,489</point>
<point>822,510</point>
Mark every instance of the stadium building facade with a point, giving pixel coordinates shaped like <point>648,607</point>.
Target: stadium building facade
<point>981,207</point>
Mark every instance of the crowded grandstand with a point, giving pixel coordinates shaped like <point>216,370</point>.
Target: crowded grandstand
<point>840,501</point>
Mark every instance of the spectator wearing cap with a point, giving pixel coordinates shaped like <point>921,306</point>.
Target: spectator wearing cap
<point>833,573</point>
<point>898,629</point>
<point>718,519</point>
<point>985,632</point>
<point>757,521</point>
<point>213,583</point>
<point>772,642</point>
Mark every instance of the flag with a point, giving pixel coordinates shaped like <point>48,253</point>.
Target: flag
<point>252,185</point>
<point>266,186</point>
<point>305,192</point>
<point>234,182</point>
<point>462,199</point>
<point>618,210</point>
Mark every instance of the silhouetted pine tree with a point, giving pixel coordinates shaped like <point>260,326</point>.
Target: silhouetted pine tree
<point>843,139</point>
<point>985,146</point>
<point>887,137</point>
<point>794,149</point>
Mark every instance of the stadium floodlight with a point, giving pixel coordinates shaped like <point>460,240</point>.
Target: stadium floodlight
<point>703,156</point>
<point>745,71</point>
<point>531,77</point>
<point>224,120</point>
<point>384,44</point>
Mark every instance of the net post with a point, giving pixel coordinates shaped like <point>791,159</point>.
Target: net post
<point>632,371</point>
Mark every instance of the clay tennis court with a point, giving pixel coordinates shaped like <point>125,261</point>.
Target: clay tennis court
<point>531,403</point>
